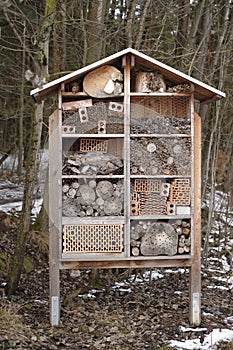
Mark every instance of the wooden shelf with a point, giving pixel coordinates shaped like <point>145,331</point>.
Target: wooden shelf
<point>161,135</point>
<point>160,217</point>
<point>92,176</point>
<point>97,136</point>
<point>70,94</point>
<point>160,176</point>
<point>77,220</point>
<point>66,257</point>
<point>156,94</point>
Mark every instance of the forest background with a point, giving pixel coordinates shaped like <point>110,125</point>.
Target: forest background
<point>41,40</point>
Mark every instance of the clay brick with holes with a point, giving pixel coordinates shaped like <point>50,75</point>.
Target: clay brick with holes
<point>180,192</point>
<point>147,186</point>
<point>93,145</point>
<point>93,238</point>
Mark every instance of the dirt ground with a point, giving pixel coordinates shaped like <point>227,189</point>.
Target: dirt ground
<point>141,313</point>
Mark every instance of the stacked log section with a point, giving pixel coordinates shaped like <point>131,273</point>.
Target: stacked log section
<point>153,238</point>
<point>90,119</point>
<point>160,156</point>
<point>91,198</point>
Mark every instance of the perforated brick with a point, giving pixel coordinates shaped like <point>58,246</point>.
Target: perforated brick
<point>146,186</point>
<point>134,204</point>
<point>93,238</point>
<point>93,145</point>
<point>180,192</point>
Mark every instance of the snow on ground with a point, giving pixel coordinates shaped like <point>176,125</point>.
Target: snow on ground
<point>11,192</point>
<point>11,195</point>
<point>209,340</point>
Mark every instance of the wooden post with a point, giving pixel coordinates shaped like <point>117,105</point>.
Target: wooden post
<point>54,219</point>
<point>195,270</point>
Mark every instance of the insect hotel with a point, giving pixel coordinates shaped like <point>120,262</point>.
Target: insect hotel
<point>125,169</point>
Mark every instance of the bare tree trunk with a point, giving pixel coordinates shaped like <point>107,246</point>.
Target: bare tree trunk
<point>95,30</point>
<point>21,113</point>
<point>182,32</point>
<point>129,24</point>
<point>141,29</point>
<point>17,260</point>
<point>59,37</point>
<point>16,263</point>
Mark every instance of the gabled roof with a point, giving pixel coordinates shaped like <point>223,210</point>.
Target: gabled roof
<point>202,91</point>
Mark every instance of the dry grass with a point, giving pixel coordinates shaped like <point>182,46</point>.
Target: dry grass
<point>11,324</point>
<point>40,240</point>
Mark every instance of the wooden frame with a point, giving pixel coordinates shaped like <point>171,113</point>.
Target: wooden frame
<point>58,261</point>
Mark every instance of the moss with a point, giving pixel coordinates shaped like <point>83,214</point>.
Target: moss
<point>28,264</point>
<point>3,264</point>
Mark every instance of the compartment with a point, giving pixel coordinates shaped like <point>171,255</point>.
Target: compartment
<point>151,197</point>
<point>160,156</point>
<point>161,115</point>
<point>97,238</point>
<point>92,197</point>
<point>160,237</point>
<point>92,156</point>
<point>97,117</point>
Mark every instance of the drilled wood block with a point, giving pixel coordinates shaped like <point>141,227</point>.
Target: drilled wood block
<point>171,208</point>
<point>83,115</point>
<point>134,208</point>
<point>75,105</point>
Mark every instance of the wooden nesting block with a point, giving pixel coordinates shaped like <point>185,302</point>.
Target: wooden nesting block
<point>171,209</point>
<point>165,189</point>
<point>74,105</point>
<point>134,208</point>
<point>134,204</point>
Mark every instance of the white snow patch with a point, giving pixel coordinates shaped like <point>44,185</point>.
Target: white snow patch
<point>211,339</point>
